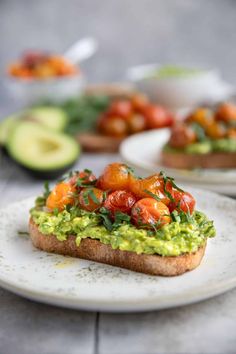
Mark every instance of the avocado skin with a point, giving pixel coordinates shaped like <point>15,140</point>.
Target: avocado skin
<point>40,175</point>
<point>3,150</point>
<point>50,174</point>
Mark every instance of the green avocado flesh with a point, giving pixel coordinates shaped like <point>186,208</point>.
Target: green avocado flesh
<point>51,117</point>
<point>38,148</point>
<point>5,128</point>
<point>205,147</point>
<point>178,237</point>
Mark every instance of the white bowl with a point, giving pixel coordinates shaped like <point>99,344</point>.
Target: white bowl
<point>178,92</point>
<point>53,89</point>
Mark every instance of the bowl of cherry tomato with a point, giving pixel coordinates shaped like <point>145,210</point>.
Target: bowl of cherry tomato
<point>40,75</point>
<point>128,116</point>
<point>123,117</point>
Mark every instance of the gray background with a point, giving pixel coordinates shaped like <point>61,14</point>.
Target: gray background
<point>129,32</point>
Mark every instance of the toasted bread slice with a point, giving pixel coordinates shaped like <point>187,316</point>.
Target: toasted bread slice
<point>94,142</point>
<point>96,251</point>
<point>189,161</point>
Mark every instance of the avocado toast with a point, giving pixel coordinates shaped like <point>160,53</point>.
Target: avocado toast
<point>148,225</point>
<point>205,139</point>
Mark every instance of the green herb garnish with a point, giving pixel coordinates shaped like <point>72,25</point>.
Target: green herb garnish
<point>120,218</point>
<point>105,215</point>
<point>41,200</point>
<point>199,131</point>
<point>152,195</point>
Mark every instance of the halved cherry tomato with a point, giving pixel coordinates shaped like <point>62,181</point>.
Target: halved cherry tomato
<point>113,126</point>
<point>91,199</point>
<point>61,195</point>
<point>83,178</point>
<point>182,201</point>
<point>149,212</point>
<point>226,112</point>
<point>120,201</point>
<point>157,117</point>
<point>145,187</point>
<point>181,136</point>
<point>121,108</point>
<point>116,176</point>
<point>139,102</point>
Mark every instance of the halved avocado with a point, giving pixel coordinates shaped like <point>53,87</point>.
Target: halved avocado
<point>43,152</point>
<point>53,118</point>
<point>5,127</point>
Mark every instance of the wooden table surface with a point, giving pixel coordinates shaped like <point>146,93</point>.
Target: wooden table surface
<point>28,327</point>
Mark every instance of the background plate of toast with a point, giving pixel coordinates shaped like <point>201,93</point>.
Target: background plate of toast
<point>143,151</point>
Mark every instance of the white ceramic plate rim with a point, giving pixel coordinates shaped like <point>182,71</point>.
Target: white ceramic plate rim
<point>207,176</point>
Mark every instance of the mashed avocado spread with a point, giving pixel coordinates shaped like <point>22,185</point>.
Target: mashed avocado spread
<point>183,235</point>
<point>206,146</point>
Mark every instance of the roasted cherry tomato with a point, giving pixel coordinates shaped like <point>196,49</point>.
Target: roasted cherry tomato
<point>113,126</point>
<point>120,201</point>
<point>157,117</point>
<point>202,116</point>
<point>82,179</point>
<point>215,130</point>
<point>149,212</point>
<point>116,176</point>
<point>231,133</point>
<point>121,108</point>
<point>182,201</point>
<point>147,186</point>
<point>32,58</point>
<point>181,136</point>
<point>61,196</point>
<point>91,199</point>
<point>139,102</point>
<point>226,112</point>
<point>136,123</point>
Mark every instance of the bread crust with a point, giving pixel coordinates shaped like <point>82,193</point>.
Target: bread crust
<point>189,161</point>
<point>96,251</point>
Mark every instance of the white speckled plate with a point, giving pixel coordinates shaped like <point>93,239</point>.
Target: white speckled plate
<point>143,152</point>
<point>81,284</point>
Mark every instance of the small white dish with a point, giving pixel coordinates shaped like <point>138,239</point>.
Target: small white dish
<point>53,89</point>
<point>180,92</point>
<point>143,151</point>
<point>75,283</point>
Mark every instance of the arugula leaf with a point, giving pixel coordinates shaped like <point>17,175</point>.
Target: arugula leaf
<point>120,218</point>
<point>41,200</point>
<point>92,195</point>
<point>46,189</point>
<point>105,215</point>
<point>67,176</point>
<point>55,211</point>
<point>86,198</point>
<point>171,180</point>
<point>199,131</point>
<point>152,195</point>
